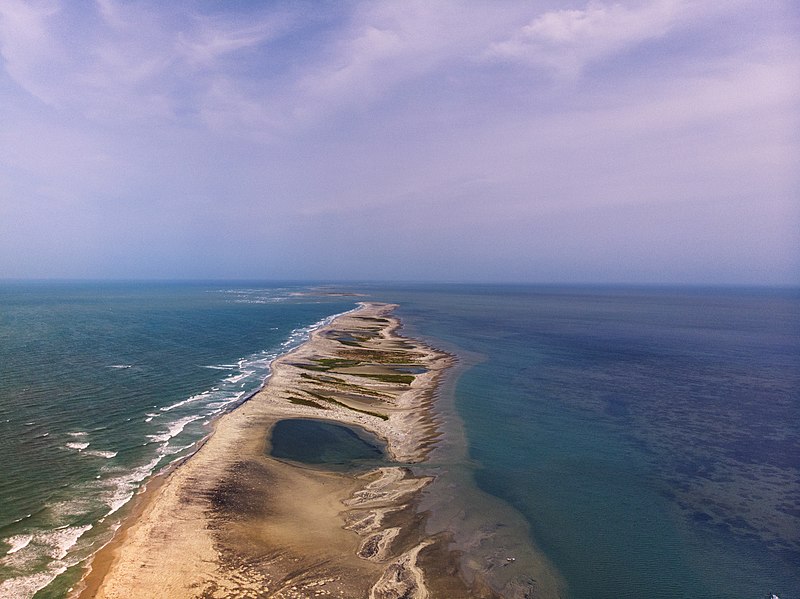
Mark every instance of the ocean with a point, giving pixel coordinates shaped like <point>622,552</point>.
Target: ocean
<point>101,385</point>
<point>644,441</point>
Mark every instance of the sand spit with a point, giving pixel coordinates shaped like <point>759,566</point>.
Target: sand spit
<point>234,522</point>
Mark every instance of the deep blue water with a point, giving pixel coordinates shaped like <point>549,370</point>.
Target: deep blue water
<point>648,436</point>
<point>651,437</point>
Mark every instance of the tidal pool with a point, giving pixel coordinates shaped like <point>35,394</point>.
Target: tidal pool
<point>326,444</point>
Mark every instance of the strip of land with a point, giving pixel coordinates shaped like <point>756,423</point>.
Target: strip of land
<point>232,521</point>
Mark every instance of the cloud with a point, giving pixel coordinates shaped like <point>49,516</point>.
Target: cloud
<point>385,46</point>
<point>160,124</point>
<point>118,62</point>
<point>26,44</point>
<point>212,38</point>
<point>566,41</point>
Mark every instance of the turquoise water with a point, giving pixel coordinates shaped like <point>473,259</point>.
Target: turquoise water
<point>649,438</point>
<point>324,444</point>
<point>103,384</point>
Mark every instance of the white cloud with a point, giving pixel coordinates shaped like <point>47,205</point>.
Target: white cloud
<point>387,45</point>
<point>26,43</point>
<point>211,38</point>
<point>568,40</point>
<point>119,62</point>
<point>382,108</point>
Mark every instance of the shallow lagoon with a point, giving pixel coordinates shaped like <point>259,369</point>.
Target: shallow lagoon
<point>325,444</point>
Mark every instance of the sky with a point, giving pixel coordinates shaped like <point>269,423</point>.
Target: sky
<point>638,141</point>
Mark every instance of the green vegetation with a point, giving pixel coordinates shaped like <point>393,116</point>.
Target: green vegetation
<point>349,343</point>
<point>326,364</point>
<point>340,384</point>
<point>314,367</point>
<point>345,406</point>
<point>335,362</point>
<point>383,357</point>
<point>405,379</point>
<point>305,402</point>
<point>322,378</point>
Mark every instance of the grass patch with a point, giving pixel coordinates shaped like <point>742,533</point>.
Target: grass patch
<point>326,364</point>
<point>335,362</point>
<point>404,379</point>
<point>383,357</point>
<point>314,367</point>
<point>322,378</point>
<point>340,384</point>
<point>305,402</point>
<point>345,406</point>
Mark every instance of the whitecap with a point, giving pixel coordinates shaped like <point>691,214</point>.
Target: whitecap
<point>217,405</point>
<point>183,402</point>
<point>174,428</point>
<point>102,454</point>
<point>122,488</point>
<point>237,377</point>
<point>117,501</point>
<point>173,450</point>
<point>17,543</point>
<point>62,540</point>
<point>25,517</point>
<point>55,544</point>
<point>78,446</point>
<point>25,587</point>
<point>120,365</point>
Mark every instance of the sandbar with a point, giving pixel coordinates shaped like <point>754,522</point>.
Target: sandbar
<point>233,521</point>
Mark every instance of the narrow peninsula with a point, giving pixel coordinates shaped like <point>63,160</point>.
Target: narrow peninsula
<point>235,521</point>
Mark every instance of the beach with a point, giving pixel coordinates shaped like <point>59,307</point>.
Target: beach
<point>546,448</point>
<point>232,521</point>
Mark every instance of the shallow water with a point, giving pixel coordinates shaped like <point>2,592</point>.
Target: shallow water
<point>649,437</point>
<point>325,444</point>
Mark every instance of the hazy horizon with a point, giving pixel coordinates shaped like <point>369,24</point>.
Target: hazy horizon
<point>345,285</point>
<point>648,142</point>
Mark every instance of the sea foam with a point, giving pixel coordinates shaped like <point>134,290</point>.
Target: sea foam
<point>78,446</point>
<point>18,542</point>
<point>183,402</point>
<point>102,454</point>
<point>174,428</point>
<point>62,540</point>
<point>120,489</point>
<point>25,587</point>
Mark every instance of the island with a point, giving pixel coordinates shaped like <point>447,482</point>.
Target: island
<point>236,520</point>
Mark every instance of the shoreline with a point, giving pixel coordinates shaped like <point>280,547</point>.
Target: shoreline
<point>229,519</point>
<point>98,564</point>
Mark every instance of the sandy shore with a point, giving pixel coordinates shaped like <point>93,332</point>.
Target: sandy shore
<point>234,522</point>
